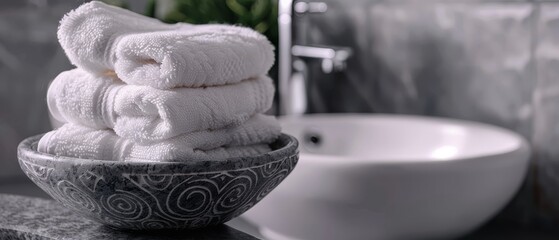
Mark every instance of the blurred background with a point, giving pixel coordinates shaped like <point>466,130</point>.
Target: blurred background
<point>492,61</point>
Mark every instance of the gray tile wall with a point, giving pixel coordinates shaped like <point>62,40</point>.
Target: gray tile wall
<point>490,61</point>
<point>30,57</point>
<point>546,109</point>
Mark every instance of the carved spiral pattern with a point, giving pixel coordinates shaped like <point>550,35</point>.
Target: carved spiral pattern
<point>190,199</point>
<point>156,224</point>
<point>37,171</point>
<point>234,194</point>
<point>30,171</point>
<point>270,169</point>
<point>127,206</point>
<point>75,197</point>
<point>201,222</point>
<point>270,184</point>
<point>163,201</point>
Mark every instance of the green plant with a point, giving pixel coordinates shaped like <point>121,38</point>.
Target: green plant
<point>260,15</point>
<point>118,3</point>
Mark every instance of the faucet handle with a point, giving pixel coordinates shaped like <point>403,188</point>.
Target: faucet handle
<point>310,7</point>
<point>333,58</point>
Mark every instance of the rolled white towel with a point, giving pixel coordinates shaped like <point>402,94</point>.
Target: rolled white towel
<point>144,51</point>
<point>145,114</point>
<point>248,139</point>
<point>203,55</point>
<point>89,33</point>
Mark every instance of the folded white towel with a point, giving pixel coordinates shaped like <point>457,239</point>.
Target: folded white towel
<point>143,51</point>
<point>248,139</point>
<point>89,33</point>
<point>145,114</point>
<point>203,55</point>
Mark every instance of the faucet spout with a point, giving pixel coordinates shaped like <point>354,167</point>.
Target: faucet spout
<point>333,58</point>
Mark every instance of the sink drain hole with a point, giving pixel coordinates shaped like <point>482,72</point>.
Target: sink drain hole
<point>312,139</point>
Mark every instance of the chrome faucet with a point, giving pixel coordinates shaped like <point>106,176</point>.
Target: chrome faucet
<point>291,82</point>
<point>333,58</point>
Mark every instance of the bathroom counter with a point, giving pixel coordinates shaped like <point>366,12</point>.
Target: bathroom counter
<point>487,232</point>
<point>46,219</point>
<point>36,218</point>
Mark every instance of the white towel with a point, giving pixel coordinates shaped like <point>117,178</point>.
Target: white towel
<point>248,139</point>
<point>204,55</point>
<point>145,114</point>
<point>89,33</point>
<point>143,51</point>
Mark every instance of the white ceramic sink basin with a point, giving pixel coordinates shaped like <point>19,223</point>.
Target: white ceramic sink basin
<point>392,177</point>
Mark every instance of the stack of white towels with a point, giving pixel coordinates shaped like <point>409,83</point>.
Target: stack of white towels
<point>148,91</point>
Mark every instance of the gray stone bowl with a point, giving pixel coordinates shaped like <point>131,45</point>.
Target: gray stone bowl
<point>155,195</point>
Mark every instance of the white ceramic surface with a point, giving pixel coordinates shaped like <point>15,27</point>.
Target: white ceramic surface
<point>392,177</point>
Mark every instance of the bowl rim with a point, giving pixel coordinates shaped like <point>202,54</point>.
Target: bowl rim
<point>288,146</point>
<point>522,146</point>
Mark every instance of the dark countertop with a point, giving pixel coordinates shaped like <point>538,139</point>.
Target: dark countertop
<point>492,231</point>
<point>36,218</point>
<point>30,207</point>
